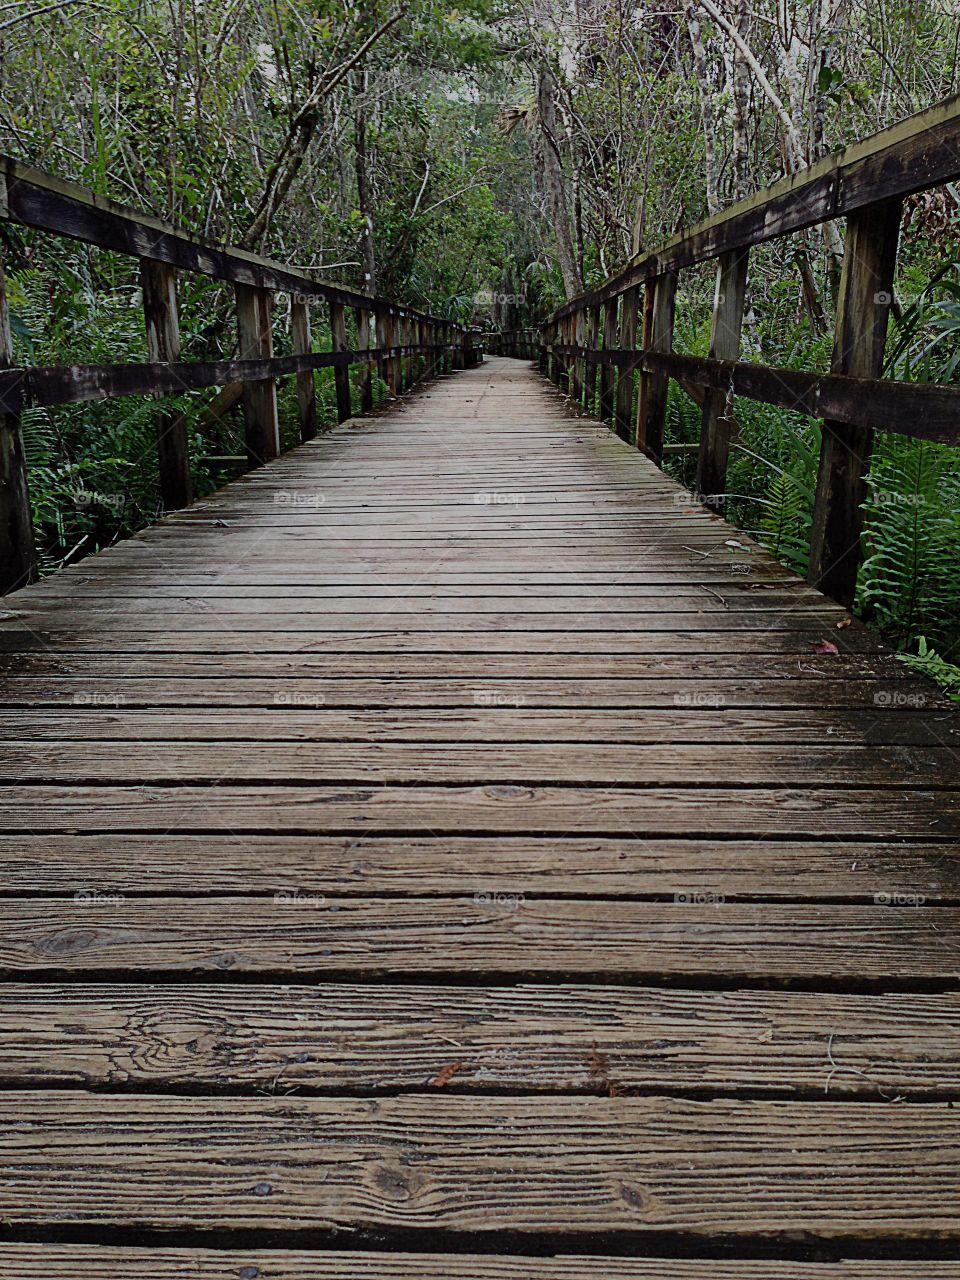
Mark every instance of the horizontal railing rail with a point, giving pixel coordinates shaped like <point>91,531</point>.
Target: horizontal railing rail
<point>403,343</point>
<point>623,330</point>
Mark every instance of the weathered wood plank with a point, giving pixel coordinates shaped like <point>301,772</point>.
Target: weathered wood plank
<point>710,763</point>
<point>280,692</point>
<point>525,1039</point>
<point>722,1169</point>
<point>96,1262</point>
<point>623,866</point>
<point>481,724</point>
<point>494,808</point>
<point>482,933</point>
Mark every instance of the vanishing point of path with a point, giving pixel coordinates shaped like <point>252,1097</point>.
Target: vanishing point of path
<point>450,853</point>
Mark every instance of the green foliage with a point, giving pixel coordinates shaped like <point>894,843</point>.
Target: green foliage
<point>927,662</point>
<point>909,582</point>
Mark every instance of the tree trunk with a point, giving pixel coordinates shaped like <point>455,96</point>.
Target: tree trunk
<point>706,108</point>
<point>551,170</point>
<point>364,192</point>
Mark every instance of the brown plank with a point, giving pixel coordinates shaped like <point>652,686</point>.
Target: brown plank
<point>624,866</point>
<point>721,1169</point>
<point>488,932</point>
<point>714,811</point>
<point>97,1262</point>
<point>525,1039</point>
<point>723,764</point>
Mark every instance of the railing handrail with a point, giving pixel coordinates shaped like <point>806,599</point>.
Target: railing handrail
<point>919,152</point>
<point>406,344</point>
<point>866,182</point>
<point>45,202</point>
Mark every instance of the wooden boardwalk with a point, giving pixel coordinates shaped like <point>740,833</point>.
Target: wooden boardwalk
<point>450,847</point>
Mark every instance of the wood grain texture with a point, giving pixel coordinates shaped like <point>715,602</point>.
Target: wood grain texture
<point>486,1165</point>
<point>489,931</point>
<point>623,866</point>
<point>85,1262</point>
<point>498,807</point>
<point>548,1038</point>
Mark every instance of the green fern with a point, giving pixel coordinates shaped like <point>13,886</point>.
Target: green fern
<point>927,662</point>
<point>785,523</point>
<point>908,584</point>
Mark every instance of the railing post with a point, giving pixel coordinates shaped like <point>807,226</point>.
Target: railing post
<point>863,309</point>
<point>717,425</point>
<point>658,310</point>
<point>362,317</point>
<point>18,559</point>
<point>577,362</point>
<point>306,388</point>
<point>607,371</point>
<point>592,343</point>
<point>420,329</point>
<point>542,358</point>
<point>384,332</point>
<point>628,340</point>
<point>571,359</point>
<point>255,334</point>
<point>158,283</point>
<point>341,372</point>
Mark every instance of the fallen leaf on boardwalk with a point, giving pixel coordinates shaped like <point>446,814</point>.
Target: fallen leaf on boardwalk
<point>598,1063</point>
<point>844,622</point>
<point>446,1075</point>
<point>823,646</point>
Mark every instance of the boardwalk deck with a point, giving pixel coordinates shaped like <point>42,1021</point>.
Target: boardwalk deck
<point>449,852</point>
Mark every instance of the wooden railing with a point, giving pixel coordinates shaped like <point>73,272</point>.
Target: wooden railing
<point>404,343</point>
<point>522,343</point>
<point>596,333</point>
